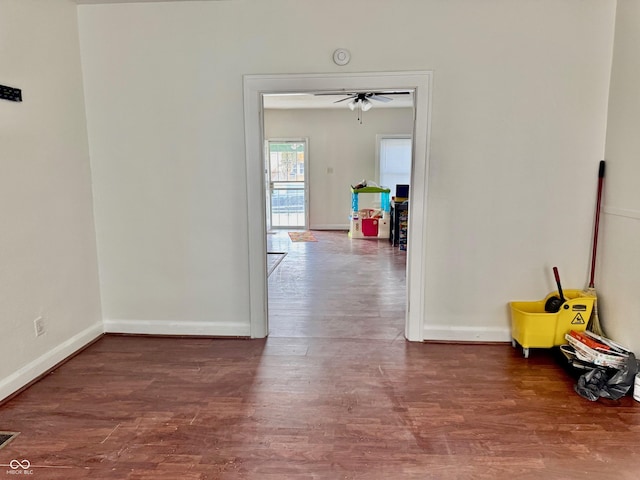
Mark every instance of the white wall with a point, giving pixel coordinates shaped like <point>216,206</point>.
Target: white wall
<point>519,115</point>
<point>47,242</point>
<point>618,277</point>
<point>337,141</point>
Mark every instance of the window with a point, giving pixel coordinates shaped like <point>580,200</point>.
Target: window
<point>394,160</point>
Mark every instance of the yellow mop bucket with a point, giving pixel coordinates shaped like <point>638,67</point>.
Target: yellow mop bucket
<point>533,327</point>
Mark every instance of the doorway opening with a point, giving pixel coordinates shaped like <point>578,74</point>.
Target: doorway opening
<point>256,86</point>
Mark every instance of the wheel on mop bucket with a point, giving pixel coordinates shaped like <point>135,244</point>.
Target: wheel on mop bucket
<point>525,351</point>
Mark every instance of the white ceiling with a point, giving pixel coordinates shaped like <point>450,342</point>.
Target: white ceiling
<point>309,100</point>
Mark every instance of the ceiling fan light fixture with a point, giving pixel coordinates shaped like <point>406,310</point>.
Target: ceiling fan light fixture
<point>352,105</point>
<point>366,105</point>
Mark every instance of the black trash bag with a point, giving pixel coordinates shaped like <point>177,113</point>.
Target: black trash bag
<point>590,384</point>
<point>607,383</point>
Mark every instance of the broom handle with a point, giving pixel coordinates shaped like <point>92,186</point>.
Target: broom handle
<point>597,224</point>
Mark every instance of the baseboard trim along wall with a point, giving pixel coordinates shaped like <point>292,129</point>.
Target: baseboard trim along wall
<point>466,334</point>
<point>46,362</point>
<point>331,226</point>
<point>172,327</point>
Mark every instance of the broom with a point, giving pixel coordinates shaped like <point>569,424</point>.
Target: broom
<point>594,321</point>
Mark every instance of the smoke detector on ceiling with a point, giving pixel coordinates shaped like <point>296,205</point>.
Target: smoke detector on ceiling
<point>341,56</point>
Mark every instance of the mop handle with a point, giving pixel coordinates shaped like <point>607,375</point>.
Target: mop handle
<point>597,224</point>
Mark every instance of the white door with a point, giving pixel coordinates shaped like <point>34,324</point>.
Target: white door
<point>287,186</point>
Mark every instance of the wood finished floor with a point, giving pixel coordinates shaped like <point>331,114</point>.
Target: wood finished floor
<point>334,393</point>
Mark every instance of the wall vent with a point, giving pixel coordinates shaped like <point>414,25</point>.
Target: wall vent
<point>6,437</point>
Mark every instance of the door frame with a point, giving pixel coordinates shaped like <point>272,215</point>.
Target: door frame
<point>255,86</point>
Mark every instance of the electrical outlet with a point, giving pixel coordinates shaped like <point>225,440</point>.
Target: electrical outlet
<point>38,324</point>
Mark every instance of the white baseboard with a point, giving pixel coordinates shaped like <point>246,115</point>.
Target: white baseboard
<point>172,327</point>
<point>466,333</point>
<point>47,361</point>
<point>330,226</point>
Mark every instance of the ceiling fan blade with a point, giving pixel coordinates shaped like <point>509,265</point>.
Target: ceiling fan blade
<point>380,98</point>
<point>333,94</point>
<point>345,99</point>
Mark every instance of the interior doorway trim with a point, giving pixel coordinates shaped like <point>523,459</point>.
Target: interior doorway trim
<point>255,86</point>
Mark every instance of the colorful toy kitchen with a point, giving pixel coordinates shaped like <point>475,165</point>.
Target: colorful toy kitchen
<point>370,222</point>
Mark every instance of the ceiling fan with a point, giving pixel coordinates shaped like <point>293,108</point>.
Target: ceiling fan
<point>362,100</point>
<point>365,97</point>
